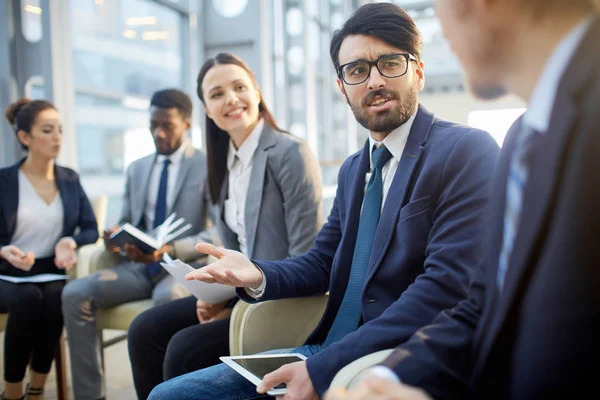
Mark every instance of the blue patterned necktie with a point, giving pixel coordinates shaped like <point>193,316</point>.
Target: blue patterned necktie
<point>160,210</point>
<point>515,188</point>
<point>348,316</point>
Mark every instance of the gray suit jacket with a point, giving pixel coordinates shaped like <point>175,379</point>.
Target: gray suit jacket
<point>283,210</point>
<point>190,199</point>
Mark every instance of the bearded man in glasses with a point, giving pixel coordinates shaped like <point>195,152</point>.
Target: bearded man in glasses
<point>404,232</point>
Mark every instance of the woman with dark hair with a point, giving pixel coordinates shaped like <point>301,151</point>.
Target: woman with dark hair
<point>41,206</point>
<point>266,188</point>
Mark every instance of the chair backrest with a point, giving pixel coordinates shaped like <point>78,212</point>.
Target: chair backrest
<point>3,320</point>
<point>100,205</point>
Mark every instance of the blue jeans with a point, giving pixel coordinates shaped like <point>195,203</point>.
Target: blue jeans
<point>217,383</point>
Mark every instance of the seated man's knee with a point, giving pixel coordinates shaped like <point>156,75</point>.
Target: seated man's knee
<point>77,297</point>
<point>164,391</point>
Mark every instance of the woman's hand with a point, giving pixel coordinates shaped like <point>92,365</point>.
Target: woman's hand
<point>17,258</point>
<point>65,255</point>
<point>212,312</point>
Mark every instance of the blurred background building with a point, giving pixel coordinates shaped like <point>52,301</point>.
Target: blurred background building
<point>99,61</point>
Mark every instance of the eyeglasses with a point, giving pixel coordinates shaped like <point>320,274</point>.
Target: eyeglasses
<point>390,66</point>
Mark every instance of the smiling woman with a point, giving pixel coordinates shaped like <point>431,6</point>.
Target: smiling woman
<point>265,185</point>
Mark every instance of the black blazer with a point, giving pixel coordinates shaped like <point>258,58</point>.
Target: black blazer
<point>78,212</point>
<point>540,337</point>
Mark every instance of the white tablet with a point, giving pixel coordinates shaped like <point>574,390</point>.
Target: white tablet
<point>255,367</point>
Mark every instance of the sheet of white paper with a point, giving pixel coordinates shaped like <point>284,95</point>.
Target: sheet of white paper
<point>34,278</point>
<point>212,293</point>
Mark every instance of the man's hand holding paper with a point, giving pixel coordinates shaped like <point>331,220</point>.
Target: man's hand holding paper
<point>210,294</point>
<point>232,268</point>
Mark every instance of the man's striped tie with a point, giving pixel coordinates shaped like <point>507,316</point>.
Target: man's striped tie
<point>515,188</point>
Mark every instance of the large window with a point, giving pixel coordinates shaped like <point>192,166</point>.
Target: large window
<point>123,51</point>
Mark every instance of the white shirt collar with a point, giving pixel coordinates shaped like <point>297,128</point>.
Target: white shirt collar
<point>395,141</point>
<point>542,99</point>
<point>175,157</point>
<point>247,149</point>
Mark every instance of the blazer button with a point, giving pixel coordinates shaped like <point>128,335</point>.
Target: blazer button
<point>371,301</point>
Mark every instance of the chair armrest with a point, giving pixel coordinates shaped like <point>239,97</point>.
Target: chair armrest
<point>94,257</point>
<point>347,376</point>
<point>279,324</point>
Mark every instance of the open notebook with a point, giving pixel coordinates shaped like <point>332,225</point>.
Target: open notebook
<point>149,243</point>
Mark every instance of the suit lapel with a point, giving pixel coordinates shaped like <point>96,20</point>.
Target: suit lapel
<point>256,186</point>
<point>66,196</point>
<point>355,193</point>
<point>11,197</point>
<point>187,162</point>
<point>398,193</point>
<point>142,195</point>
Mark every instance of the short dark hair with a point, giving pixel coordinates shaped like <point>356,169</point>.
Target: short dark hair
<point>384,21</point>
<point>22,114</point>
<point>173,98</point>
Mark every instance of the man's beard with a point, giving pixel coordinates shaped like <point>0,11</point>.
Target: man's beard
<point>386,121</point>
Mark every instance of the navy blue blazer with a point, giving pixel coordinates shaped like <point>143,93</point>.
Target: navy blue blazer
<point>539,338</point>
<point>426,245</point>
<point>78,212</point>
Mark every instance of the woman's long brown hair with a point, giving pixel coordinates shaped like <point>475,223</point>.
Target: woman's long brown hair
<point>217,140</point>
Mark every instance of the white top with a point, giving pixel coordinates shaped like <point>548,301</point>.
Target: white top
<point>395,142</point>
<point>544,94</point>
<point>239,164</point>
<point>152,194</point>
<point>39,225</point>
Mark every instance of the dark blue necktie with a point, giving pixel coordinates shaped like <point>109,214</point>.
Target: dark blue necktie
<point>348,316</point>
<point>160,210</point>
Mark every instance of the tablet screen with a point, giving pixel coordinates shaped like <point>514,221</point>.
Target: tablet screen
<point>262,366</point>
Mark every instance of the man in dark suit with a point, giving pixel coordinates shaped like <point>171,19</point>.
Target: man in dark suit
<point>404,230</point>
<point>530,327</point>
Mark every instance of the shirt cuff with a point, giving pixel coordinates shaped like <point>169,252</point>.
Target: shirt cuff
<point>257,293</point>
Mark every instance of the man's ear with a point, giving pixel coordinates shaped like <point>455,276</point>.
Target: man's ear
<point>342,90</point>
<point>188,124</point>
<point>420,75</point>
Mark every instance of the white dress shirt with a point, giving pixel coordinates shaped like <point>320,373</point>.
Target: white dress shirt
<point>239,165</point>
<point>39,225</point>
<point>154,183</point>
<point>395,142</point>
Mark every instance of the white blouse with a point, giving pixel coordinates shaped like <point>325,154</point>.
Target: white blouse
<point>39,225</point>
<point>239,164</point>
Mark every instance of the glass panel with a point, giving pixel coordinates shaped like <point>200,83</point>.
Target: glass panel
<point>496,122</point>
<point>123,51</point>
<point>230,8</point>
<point>31,20</point>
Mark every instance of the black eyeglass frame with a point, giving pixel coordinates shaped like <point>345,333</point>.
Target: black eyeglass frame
<point>409,57</point>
